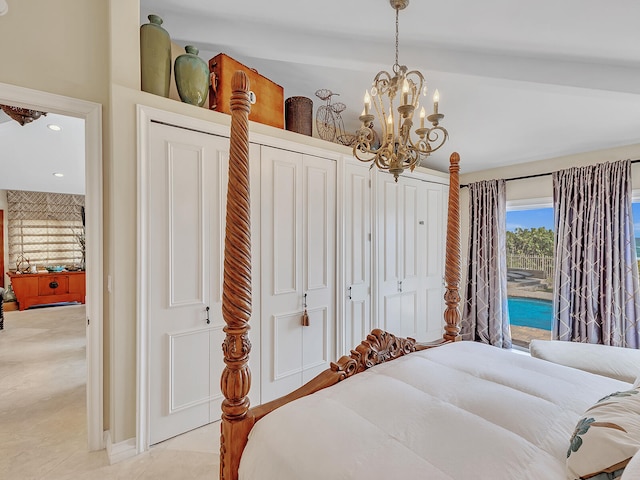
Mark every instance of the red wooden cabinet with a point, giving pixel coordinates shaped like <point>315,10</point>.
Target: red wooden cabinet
<point>48,288</point>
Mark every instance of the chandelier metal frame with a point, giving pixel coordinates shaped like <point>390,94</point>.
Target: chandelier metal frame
<point>398,150</point>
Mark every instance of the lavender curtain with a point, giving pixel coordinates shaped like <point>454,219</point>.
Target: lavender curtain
<point>486,313</point>
<point>596,287</point>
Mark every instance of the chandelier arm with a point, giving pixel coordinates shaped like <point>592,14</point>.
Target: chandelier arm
<point>443,138</point>
<point>379,108</point>
<point>418,86</point>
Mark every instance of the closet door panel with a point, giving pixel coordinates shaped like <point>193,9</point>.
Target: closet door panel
<point>391,230</point>
<point>285,223</point>
<point>408,210</point>
<point>181,266</point>
<point>357,256</point>
<point>298,215</point>
<point>318,243</point>
<point>433,263</point>
<point>186,224</point>
<point>281,286</point>
<point>410,317</point>
<point>286,361</point>
<point>357,259</point>
<point>410,256</point>
<point>388,254</point>
<point>316,343</point>
<point>319,263</point>
<point>392,313</point>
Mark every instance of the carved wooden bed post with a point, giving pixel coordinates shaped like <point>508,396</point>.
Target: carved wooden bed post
<point>236,293</point>
<point>452,255</point>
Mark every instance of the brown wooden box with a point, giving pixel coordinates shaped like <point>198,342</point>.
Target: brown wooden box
<point>269,96</point>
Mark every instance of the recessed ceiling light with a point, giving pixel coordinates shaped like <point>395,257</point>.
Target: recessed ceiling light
<point>54,127</point>
<point>58,174</point>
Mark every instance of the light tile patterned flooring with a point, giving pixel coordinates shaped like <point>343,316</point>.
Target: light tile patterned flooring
<point>43,413</point>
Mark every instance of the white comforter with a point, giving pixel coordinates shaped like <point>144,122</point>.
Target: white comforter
<point>463,411</point>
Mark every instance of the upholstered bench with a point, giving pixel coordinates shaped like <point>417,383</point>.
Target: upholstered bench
<point>615,362</point>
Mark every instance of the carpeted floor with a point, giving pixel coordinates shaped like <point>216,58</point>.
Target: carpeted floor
<point>43,409</point>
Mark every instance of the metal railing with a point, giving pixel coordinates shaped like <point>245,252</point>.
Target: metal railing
<point>532,262</point>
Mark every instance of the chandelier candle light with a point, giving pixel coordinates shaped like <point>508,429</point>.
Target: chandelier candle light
<point>398,150</point>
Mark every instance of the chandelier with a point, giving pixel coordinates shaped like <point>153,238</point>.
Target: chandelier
<point>398,150</point>
<point>22,115</point>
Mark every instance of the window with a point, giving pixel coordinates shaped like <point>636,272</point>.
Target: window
<point>45,229</point>
<point>530,244</point>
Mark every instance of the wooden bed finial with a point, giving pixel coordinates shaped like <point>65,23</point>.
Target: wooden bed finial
<point>236,292</point>
<point>452,258</point>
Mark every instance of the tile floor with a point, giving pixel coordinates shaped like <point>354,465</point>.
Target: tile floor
<point>43,415</point>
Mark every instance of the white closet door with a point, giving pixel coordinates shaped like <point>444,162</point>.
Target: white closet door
<point>298,257</point>
<point>409,257</point>
<point>432,263</point>
<point>389,228</point>
<point>184,276</point>
<point>357,256</point>
<point>318,264</point>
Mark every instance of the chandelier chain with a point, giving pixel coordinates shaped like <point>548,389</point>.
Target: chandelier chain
<point>397,15</point>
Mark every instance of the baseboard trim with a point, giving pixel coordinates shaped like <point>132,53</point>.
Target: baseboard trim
<point>117,452</point>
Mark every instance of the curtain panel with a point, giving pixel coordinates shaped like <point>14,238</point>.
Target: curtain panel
<point>596,287</point>
<point>486,311</point>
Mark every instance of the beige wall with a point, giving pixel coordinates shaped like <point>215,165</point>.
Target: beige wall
<point>64,52</point>
<point>56,47</point>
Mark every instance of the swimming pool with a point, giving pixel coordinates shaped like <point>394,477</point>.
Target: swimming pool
<point>531,312</point>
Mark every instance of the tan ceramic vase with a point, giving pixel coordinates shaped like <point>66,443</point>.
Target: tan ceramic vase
<point>192,77</point>
<point>155,57</point>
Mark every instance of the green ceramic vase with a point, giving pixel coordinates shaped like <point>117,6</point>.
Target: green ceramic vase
<point>155,57</point>
<point>192,77</point>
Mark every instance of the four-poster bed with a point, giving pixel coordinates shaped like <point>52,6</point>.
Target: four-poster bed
<point>463,410</point>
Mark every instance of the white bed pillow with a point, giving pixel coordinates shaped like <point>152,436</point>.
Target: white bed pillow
<point>606,437</point>
<point>614,362</point>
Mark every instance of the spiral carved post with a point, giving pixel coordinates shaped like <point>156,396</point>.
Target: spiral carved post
<point>452,259</point>
<point>236,293</point>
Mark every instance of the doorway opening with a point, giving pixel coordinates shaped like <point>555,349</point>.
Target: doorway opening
<point>91,116</point>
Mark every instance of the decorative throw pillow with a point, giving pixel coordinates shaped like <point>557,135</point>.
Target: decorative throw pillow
<point>606,437</point>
